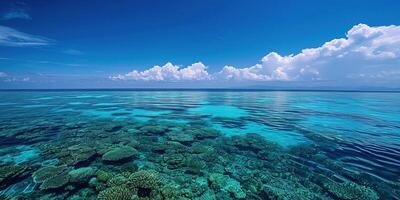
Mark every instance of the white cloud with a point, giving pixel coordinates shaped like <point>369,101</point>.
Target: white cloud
<point>16,14</point>
<point>14,38</point>
<point>168,72</point>
<point>366,53</point>
<point>17,79</point>
<point>365,50</point>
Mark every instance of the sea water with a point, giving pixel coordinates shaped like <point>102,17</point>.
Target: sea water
<point>200,144</point>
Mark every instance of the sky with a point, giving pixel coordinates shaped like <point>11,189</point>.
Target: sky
<point>200,44</point>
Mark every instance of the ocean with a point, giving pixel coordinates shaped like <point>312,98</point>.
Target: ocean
<point>199,144</point>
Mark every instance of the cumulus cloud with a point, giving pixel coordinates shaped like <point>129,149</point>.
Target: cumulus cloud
<point>168,72</point>
<point>365,53</point>
<point>6,78</point>
<point>14,38</point>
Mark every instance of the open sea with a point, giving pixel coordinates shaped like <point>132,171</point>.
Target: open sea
<point>202,145</point>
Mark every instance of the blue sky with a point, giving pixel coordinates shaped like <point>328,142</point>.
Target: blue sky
<point>86,44</point>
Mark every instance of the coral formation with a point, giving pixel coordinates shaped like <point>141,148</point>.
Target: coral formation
<point>55,182</point>
<point>182,137</point>
<point>154,129</point>
<point>103,176</point>
<point>349,190</point>
<point>119,154</point>
<point>115,193</point>
<point>145,182</point>
<point>117,181</point>
<point>129,159</point>
<point>225,183</point>
<point>8,173</point>
<point>47,172</point>
<point>81,175</point>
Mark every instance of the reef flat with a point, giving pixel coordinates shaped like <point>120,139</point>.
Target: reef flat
<point>182,145</point>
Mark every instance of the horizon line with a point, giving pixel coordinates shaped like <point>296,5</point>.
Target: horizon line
<point>202,89</point>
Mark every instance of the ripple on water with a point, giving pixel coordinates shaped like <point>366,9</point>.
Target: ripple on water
<point>118,114</point>
<point>36,106</point>
<point>22,154</point>
<point>224,111</point>
<point>283,138</point>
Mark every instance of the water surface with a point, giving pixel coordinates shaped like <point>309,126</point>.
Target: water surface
<point>262,144</point>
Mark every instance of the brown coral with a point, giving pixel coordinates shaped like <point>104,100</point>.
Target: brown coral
<point>145,182</point>
<point>115,193</point>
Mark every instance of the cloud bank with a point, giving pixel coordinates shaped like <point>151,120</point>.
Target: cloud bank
<point>13,38</point>
<point>168,72</point>
<point>366,54</point>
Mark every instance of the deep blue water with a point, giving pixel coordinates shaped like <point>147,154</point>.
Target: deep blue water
<point>358,132</point>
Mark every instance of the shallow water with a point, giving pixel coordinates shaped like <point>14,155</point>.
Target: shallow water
<point>203,144</point>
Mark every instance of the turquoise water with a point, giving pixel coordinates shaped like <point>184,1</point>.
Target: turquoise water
<point>199,145</point>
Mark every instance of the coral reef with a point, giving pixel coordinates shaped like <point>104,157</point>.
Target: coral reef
<point>227,184</point>
<point>119,154</point>
<point>103,176</point>
<point>10,173</point>
<point>349,190</point>
<point>154,129</point>
<point>81,175</point>
<point>182,137</point>
<point>117,181</point>
<point>45,173</point>
<point>145,183</point>
<point>115,193</point>
<point>157,160</point>
<point>56,181</point>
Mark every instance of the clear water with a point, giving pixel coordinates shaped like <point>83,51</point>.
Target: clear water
<point>324,140</point>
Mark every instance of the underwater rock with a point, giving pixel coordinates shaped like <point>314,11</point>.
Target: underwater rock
<point>119,154</point>
<point>9,173</point>
<point>225,183</point>
<point>350,190</point>
<point>47,172</point>
<point>81,175</point>
<point>115,193</point>
<point>55,182</point>
<point>145,182</point>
